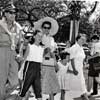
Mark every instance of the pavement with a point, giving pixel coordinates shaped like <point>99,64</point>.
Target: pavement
<point>97,97</point>
<point>67,97</point>
<point>57,97</point>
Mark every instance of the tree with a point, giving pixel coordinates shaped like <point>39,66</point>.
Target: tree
<point>85,25</point>
<point>33,10</point>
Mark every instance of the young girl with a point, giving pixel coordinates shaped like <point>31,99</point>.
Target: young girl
<point>50,83</point>
<point>63,76</point>
<point>32,67</point>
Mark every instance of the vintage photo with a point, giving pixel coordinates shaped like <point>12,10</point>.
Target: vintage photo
<point>49,50</point>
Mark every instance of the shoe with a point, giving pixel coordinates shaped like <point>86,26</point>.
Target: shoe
<point>88,93</point>
<point>84,97</point>
<point>94,93</point>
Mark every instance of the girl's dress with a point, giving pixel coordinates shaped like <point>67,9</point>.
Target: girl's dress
<point>49,79</point>
<point>63,76</point>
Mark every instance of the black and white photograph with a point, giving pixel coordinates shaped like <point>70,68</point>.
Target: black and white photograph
<point>49,50</point>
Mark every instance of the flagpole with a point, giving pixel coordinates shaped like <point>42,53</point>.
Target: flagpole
<point>71,27</point>
<point>74,22</point>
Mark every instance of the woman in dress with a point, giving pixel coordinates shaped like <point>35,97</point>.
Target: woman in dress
<point>50,83</point>
<point>77,80</point>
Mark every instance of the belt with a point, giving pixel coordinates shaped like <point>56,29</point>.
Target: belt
<point>48,65</point>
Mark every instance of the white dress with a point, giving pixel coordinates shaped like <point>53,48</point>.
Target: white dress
<point>63,76</point>
<point>77,82</point>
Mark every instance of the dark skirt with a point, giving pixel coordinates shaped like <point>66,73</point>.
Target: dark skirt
<point>92,62</point>
<point>92,71</point>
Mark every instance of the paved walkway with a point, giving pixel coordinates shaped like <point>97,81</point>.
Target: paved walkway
<point>96,97</point>
<point>57,97</point>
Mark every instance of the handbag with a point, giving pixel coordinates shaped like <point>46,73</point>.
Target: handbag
<point>96,63</point>
<point>96,67</point>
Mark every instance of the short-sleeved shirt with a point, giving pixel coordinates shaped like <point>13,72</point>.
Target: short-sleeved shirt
<point>4,36</point>
<point>77,53</point>
<point>35,53</point>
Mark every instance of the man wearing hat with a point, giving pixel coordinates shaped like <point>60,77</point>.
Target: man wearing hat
<point>9,37</point>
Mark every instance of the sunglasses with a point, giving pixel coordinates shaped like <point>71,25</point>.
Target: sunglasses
<point>12,12</point>
<point>46,27</point>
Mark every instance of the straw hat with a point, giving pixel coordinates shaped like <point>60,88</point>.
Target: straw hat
<point>54,25</point>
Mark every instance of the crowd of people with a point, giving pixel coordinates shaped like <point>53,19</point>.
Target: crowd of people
<point>28,61</point>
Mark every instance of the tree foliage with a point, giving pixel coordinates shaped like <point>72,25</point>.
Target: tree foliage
<point>62,11</point>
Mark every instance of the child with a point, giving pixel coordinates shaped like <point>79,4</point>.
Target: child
<point>63,76</point>
<point>50,83</point>
<point>32,67</point>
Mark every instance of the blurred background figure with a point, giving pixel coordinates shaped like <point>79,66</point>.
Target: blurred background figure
<point>93,60</point>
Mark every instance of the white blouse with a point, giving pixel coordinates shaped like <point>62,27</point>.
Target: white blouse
<point>35,53</point>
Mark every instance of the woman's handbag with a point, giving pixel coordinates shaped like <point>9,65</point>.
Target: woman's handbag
<point>96,67</point>
<point>96,63</point>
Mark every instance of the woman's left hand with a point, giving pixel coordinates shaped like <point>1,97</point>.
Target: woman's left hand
<point>75,72</point>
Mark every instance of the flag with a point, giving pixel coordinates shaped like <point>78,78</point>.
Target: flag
<point>74,27</point>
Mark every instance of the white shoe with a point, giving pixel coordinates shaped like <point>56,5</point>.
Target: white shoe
<point>88,93</point>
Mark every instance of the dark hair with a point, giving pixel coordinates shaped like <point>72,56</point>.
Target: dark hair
<point>32,37</point>
<point>36,31</point>
<point>63,55</point>
<point>31,41</point>
<point>78,37</point>
<point>47,50</point>
<point>46,22</point>
<point>95,37</point>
